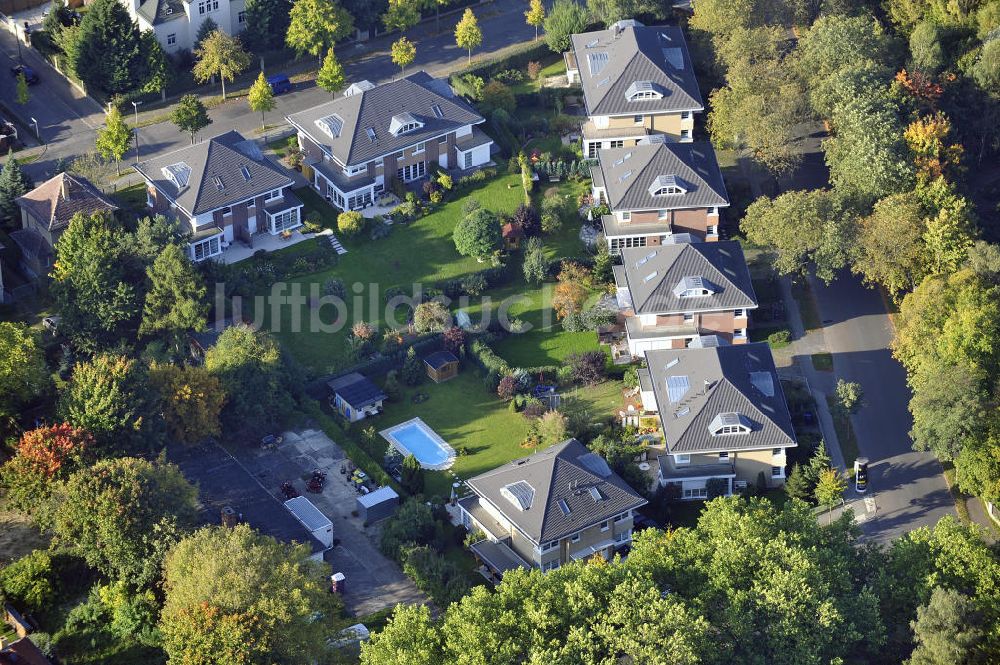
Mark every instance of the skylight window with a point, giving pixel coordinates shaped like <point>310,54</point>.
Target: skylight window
<point>592,43</point>
<point>246,173</point>
<point>438,113</point>
<point>371,134</point>
<point>764,382</point>
<point>331,125</point>
<point>674,57</point>
<point>563,506</point>
<point>650,277</point>
<point>673,361</point>
<point>218,183</point>
<point>178,174</point>
<point>677,387</point>
<point>644,260</point>
<point>625,176</point>
<point>521,494</point>
<point>596,494</point>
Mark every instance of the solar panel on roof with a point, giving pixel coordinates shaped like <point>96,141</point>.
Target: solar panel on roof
<point>595,464</point>
<point>677,387</point>
<point>597,61</point>
<point>520,493</point>
<point>764,382</point>
<point>674,56</point>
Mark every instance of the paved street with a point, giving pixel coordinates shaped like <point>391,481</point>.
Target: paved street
<point>68,123</point>
<point>908,486</point>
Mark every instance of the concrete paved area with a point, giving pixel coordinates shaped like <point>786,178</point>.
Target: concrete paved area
<point>373,581</point>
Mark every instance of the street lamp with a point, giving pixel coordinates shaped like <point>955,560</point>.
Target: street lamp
<point>135,106</point>
<point>37,133</point>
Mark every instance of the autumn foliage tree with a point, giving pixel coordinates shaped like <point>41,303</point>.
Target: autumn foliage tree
<point>192,400</point>
<point>570,293</point>
<point>927,138</point>
<point>43,455</point>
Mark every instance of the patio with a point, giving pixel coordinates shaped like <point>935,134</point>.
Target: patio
<point>238,251</point>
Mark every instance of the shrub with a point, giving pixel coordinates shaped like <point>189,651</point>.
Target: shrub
<point>313,223</point>
<point>588,368</point>
<point>431,316</point>
<point>535,266</point>
<point>335,287</point>
<point>440,578</point>
<point>413,370</point>
<point>528,218</point>
<point>477,235</point>
<point>413,524</point>
<point>534,69</point>
<point>507,388</point>
<point>391,386</point>
<point>30,581</point>
<point>779,338</point>
<point>350,223</point>
<point>849,395</point>
<point>552,427</point>
<point>474,284</point>
<point>454,339</point>
<point>445,181</point>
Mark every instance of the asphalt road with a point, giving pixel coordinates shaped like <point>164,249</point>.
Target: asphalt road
<point>908,487</point>
<point>68,123</point>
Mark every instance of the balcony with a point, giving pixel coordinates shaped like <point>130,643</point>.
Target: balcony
<point>592,132</point>
<point>614,228</point>
<point>687,329</point>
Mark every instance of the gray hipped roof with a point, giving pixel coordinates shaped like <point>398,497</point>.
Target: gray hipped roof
<point>654,274</point>
<point>428,101</point>
<point>222,157</point>
<point>161,11</point>
<point>629,176</point>
<point>566,488</point>
<point>616,62</point>
<point>697,389</point>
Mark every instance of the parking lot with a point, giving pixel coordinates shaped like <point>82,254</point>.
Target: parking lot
<point>373,581</point>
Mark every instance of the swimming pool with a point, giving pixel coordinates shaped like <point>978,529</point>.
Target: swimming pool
<point>415,437</point>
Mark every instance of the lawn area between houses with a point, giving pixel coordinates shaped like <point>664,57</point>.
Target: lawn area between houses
<point>421,252</point>
<point>469,417</point>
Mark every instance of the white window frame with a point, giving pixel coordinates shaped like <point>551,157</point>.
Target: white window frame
<point>241,18</point>
<point>420,148</point>
<point>663,215</point>
<point>696,493</point>
<point>575,538</point>
<point>685,115</point>
<point>284,220</point>
<point>171,39</point>
<point>605,525</point>
<point>549,546</point>
<point>777,472</point>
<point>550,565</point>
<point>214,245</point>
<point>739,313</point>
<point>620,518</point>
<point>712,230</point>
<point>688,316</point>
<point>617,143</point>
<point>681,459</point>
<point>637,119</point>
<point>626,215</point>
<point>624,536</point>
<point>724,456</point>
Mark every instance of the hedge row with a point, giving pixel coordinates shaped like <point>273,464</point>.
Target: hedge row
<point>487,69</point>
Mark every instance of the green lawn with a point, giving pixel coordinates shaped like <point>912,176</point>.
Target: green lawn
<point>556,67</point>
<point>468,416</point>
<point>418,253</point>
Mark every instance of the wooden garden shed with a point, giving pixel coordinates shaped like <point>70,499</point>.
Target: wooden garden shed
<point>441,366</point>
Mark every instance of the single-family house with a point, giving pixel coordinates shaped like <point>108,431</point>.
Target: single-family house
<point>404,129</point>
<point>441,366</point>
<point>221,190</point>
<point>176,22</point>
<point>671,295</point>
<point>559,505</point>
<point>657,189</point>
<point>355,397</point>
<point>46,212</point>
<point>637,81</point>
<point>723,415</point>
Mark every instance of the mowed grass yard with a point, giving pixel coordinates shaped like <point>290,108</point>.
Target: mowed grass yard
<point>418,253</point>
<point>469,416</point>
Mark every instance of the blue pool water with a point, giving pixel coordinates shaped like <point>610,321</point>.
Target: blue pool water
<point>415,438</point>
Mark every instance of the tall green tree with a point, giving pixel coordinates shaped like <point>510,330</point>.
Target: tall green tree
<point>190,115</point>
<point>253,373</point>
<point>535,16</point>
<point>220,55</point>
<point>468,35</point>
<point>109,397</point>
<point>331,75</point>
<point>266,23</point>
<point>192,400</point>
<point>159,70</point>
<point>13,183</point>
<point>829,490</point>
<point>403,52</point>
<point>23,374</point>
<point>478,234</point>
<point>237,596</point>
<point>565,18</point>
<point>261,98</point>
<point>401,15</point>
<point>175,302</point>
<point>22,95</point>
<point>115,138</point>
<point>947,630</point>
<point>806,228</point>
<point>123,515</point>
<point>95,295</point>
<point>316,25</point>
<point>107,52</point>
<point>896,261</point>
<point>409,631</point>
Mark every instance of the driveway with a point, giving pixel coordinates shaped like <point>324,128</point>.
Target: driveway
<point>373,581</point>
<point>907,486</point>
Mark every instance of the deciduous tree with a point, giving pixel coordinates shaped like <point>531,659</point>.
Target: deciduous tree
<point>947,630</point>
<point>535,16</point>
<point>478,234</point>
<point>220,55</point>
<point>114,139</point>
<point>331,75</point>
<point>261,98</point>
<point>192,401</point>
<point>22,367</point>
<point>565,18</point>
<point>237,596</point>
<point>123,515</point>
<point>44,455</point>
<point>431,316</point>
<point>401,15</point>
<point>403,53</point>
<point>175,301</point>
<point>316,25</point>
<point>467,32</point>
<point>409,631</point>
<point>190,115</point>
<point>889,248</point>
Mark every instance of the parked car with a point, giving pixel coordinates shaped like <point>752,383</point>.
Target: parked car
<point>51,322</point>
<point>280,83</point>
<point>641,522</point>
<point>30,75</point>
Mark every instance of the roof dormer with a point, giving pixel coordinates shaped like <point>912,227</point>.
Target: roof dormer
<point>667,185</point>
<point>331,125</point>
<point>521,494</point>
<point>178,174</point>
<point>729,424</point>
<point>694,287</point>
<point>643,90</point>
<point>403,123</point>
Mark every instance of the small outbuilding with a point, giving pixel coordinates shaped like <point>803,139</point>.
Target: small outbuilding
<point>309,516</point>
<point>441,366</point>
<point>355,397</point>
<point>377,505</point>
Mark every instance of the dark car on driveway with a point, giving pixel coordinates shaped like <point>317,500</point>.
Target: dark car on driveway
<point>30,75</point>
<point>280,83</point>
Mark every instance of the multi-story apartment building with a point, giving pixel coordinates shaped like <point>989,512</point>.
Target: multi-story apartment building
<point>675,293</point>
<point>657,189</point>
<point>222,190</point>
<point>176,22</point>
<point>355,144</point>
<point>559,505</point>
<point>723,415</point>
<point>636,81</point>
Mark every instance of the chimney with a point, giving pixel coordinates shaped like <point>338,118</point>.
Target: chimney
<point>65,186</point>
<point>229,517</point>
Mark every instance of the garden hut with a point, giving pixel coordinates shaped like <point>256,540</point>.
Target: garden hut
<point>441,366</point>
<point>377,505</point>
